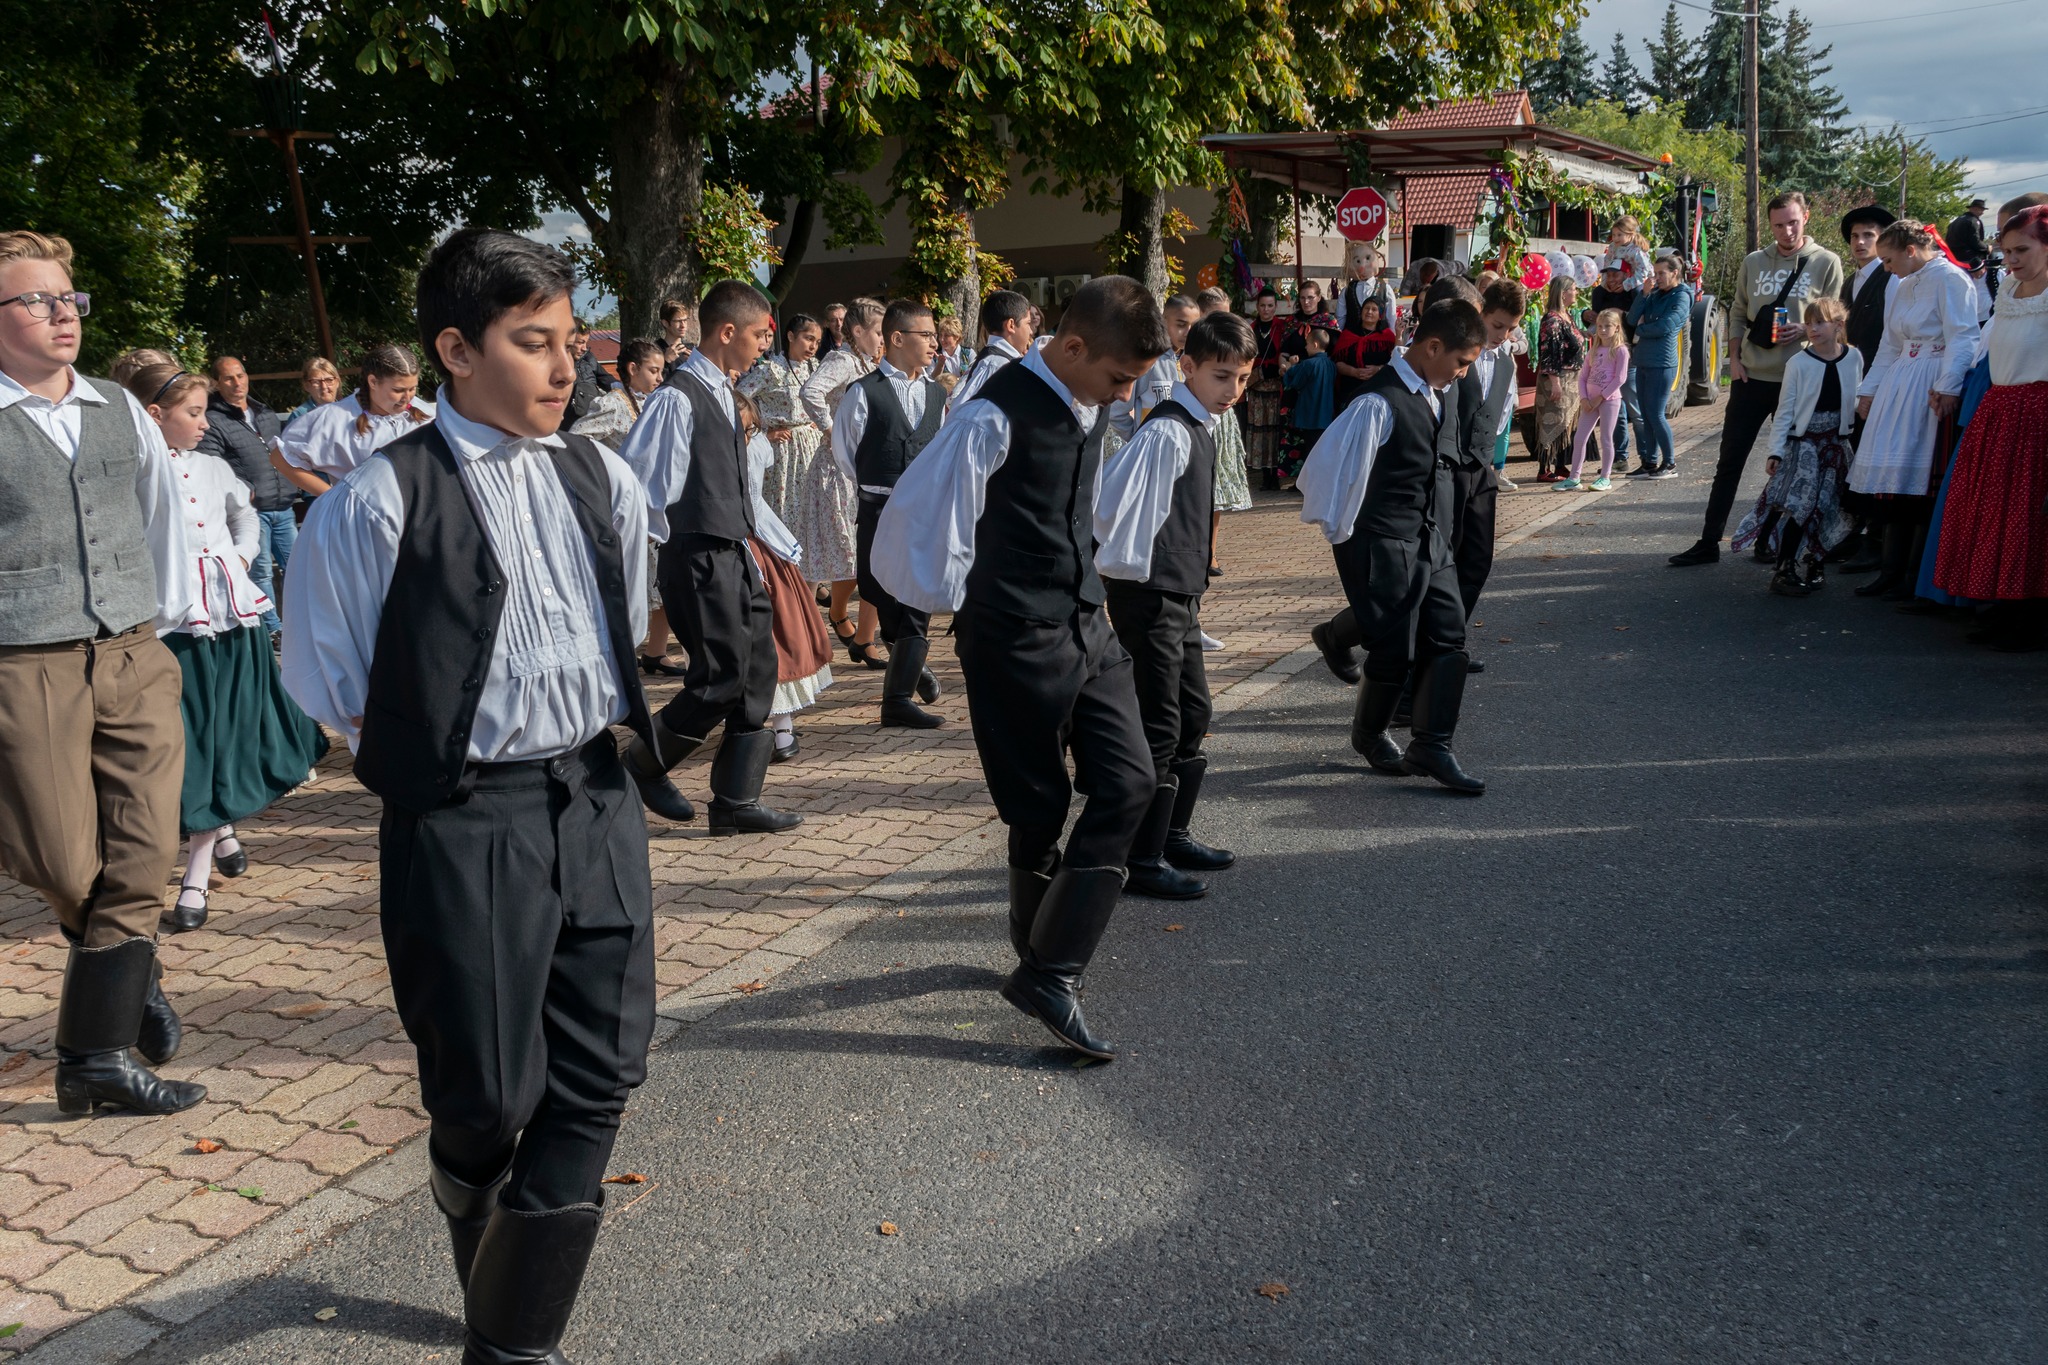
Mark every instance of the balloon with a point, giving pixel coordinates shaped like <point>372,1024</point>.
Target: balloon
<point>1560,265</point>
<point>1535,271</point>
<point>1585,271</point>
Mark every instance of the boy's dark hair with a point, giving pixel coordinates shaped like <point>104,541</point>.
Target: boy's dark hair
<point>480,274</point>
<point>1221,336</point>
<point>639,351</point>
<point>1181,301</point>
<point>1114,316</point>
<point>1001,307</point>
<point>1789,199</point>
<point>671,309</point>
<point>1320,336</point>
<point>582,328</point>
<point>1453,323</point>
<point>1446,287</point>
<point>733,301</point>
<point>900,314</point>
<point>1505,296</point>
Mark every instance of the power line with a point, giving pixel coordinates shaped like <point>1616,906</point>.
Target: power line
<point>1920,14</point>
<point>2016,180</point>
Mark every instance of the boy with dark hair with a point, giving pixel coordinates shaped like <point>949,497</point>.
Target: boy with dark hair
<point>884,419</point>
<point>1157,384</point>
<point>994,522</point>
<point>495,563</point>
<point>1380,486</point>
<point>1008,331</point>
<point>691,455</point>
<point>1152,550</point>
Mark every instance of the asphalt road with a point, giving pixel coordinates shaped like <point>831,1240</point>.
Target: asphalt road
<point>1714,1032</point>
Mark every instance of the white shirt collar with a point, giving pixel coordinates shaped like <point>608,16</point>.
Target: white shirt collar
<point>700,365</point>
<point>998,344</point>
<point>12,391</point>
<point>1406,374</point>
<point>893,373</point>
<point>1864,272</point>
<point>474,440</point>
<point>1035,362</point>
<point>1185,396</point>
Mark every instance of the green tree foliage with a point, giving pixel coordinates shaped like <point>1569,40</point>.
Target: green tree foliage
<point>1800,113</point>
<point>1565,80</point>
<point>1671,78</point>
<point>1620,82</point>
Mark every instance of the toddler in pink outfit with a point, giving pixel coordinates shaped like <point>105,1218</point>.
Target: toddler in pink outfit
<point>1600,384</point>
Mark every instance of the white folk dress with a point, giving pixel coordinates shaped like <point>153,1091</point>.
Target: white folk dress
<point>334,439</point>
<point>1930,343</point>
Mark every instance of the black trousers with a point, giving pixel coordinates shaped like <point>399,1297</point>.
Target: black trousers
<point>1404,593</point>
<point>720,611</point>
<point>1037,690</point>
<point>519,930</point>
<point>894,620</point>
<point>1751,403</point>
<point>1164,639</point>
<point>1475,495</point>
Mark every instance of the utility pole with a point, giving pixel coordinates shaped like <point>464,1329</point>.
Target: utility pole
<point>1905,166</point>
<point>1749,116</point>
<point>287,140</point>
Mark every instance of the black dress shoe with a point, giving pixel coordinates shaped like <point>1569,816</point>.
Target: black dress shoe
<point>1474,667</point>
<point>232,864</point>
<point>1785,583</point>
<point>660,795</point>
<point>660,668</point>
<point>1340,660</point>
<point>786,752</point>
<point>189,911</point>
<point>1703,551</point>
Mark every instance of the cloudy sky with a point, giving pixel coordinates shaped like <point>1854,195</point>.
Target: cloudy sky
<point>1935,70</point>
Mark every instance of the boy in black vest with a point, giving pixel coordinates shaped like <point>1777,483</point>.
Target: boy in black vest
<point>1380,485</point>
<point>1152,535</point>
<point>1007,334</point>
<point>495,563</point>
<point>884,419</point>
<point>689,451</point>
<point>994,522</point>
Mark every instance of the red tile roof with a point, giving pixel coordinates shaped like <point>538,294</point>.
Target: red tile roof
<point>1451,199</point>
<point>1488,111</point>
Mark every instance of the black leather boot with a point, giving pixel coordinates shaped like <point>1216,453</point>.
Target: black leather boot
<point>1404,709</point>
<point>1183,850</point>
<point>1070,924</point>
<point>928,689</point>
<point>1339,658</point>
<point>1908,586</point>
<point>1868,554</point>
<point>1439,694</point>
<point>162,1031</point>
<point>906,667</point>
<point>468,1209</point>
<point>1027,893</point>
<point>1150,873</point>
<point>99,1019</point>
<point>736,777</point>
<point>649,772</point>
<point>1369,722</point>
<point>523,1286</point>
<point>1892,565</point>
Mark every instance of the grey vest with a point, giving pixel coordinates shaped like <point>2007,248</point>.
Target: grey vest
<point>74,562</point>
<point>1477,431</point>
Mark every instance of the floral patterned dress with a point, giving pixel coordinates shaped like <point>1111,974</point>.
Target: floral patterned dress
<point>1560,352</point>
<point>803,486</point>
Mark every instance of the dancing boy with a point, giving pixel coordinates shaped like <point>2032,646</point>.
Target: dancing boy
<point>1379,485</point>
<point>1152,534</point>
<point>465,605</point>
<point>91,747</point>
<point>1006,325</point>
<point>994,522</point>
<point>689,452</point>
<point>885,418</point>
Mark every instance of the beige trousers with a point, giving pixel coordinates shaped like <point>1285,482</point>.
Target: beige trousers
<point>92,756</point>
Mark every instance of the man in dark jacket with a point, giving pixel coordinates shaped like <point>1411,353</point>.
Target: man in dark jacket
<point>591,380</point>
<point>241,431</point>
<point>1966,236</point>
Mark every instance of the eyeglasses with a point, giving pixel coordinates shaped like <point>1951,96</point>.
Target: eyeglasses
<point>41,306</point>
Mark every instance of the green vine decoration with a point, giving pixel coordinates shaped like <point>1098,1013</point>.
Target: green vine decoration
<point>1524,176</point>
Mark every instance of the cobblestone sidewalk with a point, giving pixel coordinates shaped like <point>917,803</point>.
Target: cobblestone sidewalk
<point>312,1101</point>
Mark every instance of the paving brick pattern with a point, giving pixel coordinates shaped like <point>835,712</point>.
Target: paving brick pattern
<point>287,1003</point>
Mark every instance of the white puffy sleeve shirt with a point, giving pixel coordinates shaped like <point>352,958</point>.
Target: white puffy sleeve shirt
<point>1137,490</point>
<point>1332,481</point>
<point>1936,305</point>
<point>326,440</point>
<point>220,534</point>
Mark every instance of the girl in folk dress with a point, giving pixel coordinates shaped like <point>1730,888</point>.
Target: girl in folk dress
<point>334,439</point>
<point>246,742</point>
<point>803,655</point>
<point>1994,529</point>
<point>641,364</point>
<point>1262,402</point>
<point>1600,382</point>
<point>837,505</point>
<point>1910,396</point>
<point>776,385</point>
<point>1560,351</point>
<point>1810,453</point>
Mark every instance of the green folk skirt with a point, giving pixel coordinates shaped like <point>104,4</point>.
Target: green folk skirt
<point>246,741</point>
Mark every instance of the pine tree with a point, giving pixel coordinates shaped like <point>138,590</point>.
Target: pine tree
<point>1671,71</point>
<point>1566,80</point>
<point>1802,114</point>
<point>1619,79</point>
<point>1717,68</point>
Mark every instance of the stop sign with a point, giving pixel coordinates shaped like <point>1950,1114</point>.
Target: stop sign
<point>1362,214</point>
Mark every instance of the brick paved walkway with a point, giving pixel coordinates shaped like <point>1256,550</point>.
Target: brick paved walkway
<point>288,1009</point>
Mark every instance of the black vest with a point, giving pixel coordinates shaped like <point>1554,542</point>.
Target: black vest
<point>1034,547</point>
<point>1180,552</point>
<point>1479,411</point>
<point>714,500</point>
<point>1401,494</point>
<point>889,443</point>
<point>441,616</point>
<point>1865,328</point>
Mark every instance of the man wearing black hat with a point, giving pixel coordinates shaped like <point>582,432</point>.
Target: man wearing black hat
<point>1864,292</point>
<point>1966,236</point>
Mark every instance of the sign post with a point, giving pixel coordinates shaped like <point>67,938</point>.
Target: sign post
<point>1362,215</point>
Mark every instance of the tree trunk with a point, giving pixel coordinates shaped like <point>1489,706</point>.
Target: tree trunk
<point>802,221</point>
<point>657,192</point>
<point>1271,212</point>
<point>1142,228</point>
<point>963,291</point>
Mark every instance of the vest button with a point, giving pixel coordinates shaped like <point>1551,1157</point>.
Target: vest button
<point>483,633</point>
<point>470,684</point>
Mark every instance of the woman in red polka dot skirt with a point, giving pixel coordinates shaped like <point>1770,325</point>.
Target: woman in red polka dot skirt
<point>1994,532</point>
